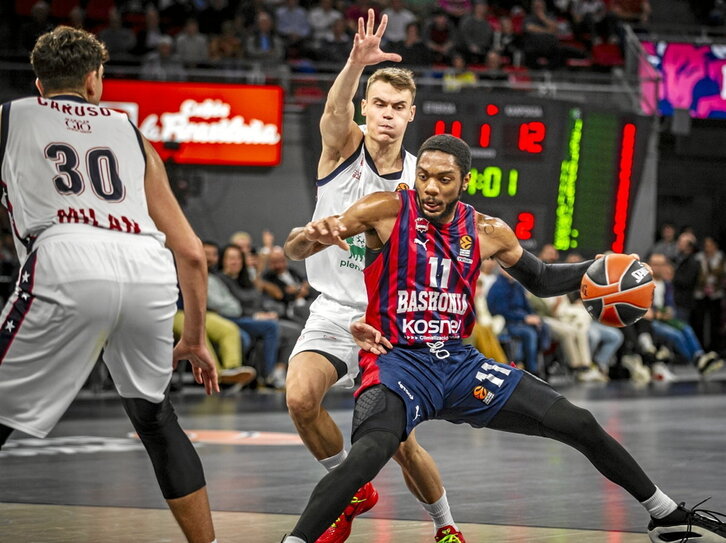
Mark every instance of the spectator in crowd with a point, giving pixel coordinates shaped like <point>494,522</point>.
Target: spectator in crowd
<point>455,9</point>
<point>147,39</point>
<point>413,50</point>
<point>321,19</point>
<point>666,245</point>
<point>641,355</point>
<point>77,18</point>
<point>191,45</point>
<point>399,17</point>
<point>542,47</point>
<point>440,37</point>
<point>507,43</point>
<point>488,327</point>
<point>228,46</point>
<point>291,22</point>
<point>221,300</point>
<point>671,330</point>
<point>296,292</point>
<point>685,276</point>
<point>119,41</point>
<point>39,23</point>
<point>591,21</point>
<point>508,298</point>
<point>604,340</point>
<point>569,330</point>
<point>258,306</point>
<point>225,346</point>
<point>163,64</point>
<point>263,43</point>
<point>475,34</point>
<point>709,295</point>
<point>458,75</point>
<point>336,44</point>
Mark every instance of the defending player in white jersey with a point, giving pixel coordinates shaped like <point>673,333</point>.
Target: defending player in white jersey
<point>91,209</point>
<point>355,161</point>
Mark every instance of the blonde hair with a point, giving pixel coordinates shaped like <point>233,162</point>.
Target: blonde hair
<point>399,78</point>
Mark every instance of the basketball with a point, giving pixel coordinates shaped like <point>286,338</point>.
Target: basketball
<point>617,290</point>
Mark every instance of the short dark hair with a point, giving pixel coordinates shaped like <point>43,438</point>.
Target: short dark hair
<point>63,57</point>
<point>450,145</point>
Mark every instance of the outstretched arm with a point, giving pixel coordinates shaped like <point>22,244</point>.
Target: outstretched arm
<point>498,240</point>
<point>341,135</point>
<point>374,213</point>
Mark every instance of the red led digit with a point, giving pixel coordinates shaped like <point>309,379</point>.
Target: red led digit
<point>525,224</point>
<point>531,136</point>
<point>485,132</point>
<point>440,128</point>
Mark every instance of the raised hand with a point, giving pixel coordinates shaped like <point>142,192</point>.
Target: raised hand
<point>367,42</point>
<point>327,231</point>
<point>368,338</point>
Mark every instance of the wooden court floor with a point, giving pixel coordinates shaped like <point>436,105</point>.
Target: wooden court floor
<point>90,480</point>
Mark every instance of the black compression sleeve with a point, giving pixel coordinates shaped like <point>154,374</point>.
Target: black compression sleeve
<point>545,280</point>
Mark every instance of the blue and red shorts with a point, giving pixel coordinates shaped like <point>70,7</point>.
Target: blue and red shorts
<point>444,380</point>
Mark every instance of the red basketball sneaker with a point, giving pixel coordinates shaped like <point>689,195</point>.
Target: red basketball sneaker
<point>449,534</point>
<point>364,500</point>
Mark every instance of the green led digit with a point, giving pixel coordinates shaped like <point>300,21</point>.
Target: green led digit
<point>492,182</point>
<point>513,178</point>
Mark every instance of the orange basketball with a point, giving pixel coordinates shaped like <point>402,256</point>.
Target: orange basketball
<point>617,290</point>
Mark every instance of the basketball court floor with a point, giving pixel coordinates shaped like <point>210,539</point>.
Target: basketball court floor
<point>90,480</point>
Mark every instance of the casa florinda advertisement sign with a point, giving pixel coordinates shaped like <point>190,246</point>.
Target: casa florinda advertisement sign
<point>204,123</point>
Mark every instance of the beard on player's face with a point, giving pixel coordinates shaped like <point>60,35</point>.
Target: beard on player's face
<point>446,212</point>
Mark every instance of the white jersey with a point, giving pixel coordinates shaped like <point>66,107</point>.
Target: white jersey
<point>53,171</point>
<point>336,273</point>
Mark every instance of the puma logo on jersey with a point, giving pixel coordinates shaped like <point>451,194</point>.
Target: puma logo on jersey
<point>422,243</point>
<point>639,274</point>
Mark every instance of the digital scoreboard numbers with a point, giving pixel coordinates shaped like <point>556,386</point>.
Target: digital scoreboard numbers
<point>556,172</point>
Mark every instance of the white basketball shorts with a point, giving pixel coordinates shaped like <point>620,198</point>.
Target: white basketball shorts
<point>328,330</point>
<point>81,290</point>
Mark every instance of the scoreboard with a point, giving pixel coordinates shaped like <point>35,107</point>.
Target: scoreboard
<point>557,172</point>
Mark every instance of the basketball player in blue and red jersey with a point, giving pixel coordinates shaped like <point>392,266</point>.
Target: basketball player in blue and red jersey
<point>94,220</point>
<point>424,248</point>
<point>355,161</point>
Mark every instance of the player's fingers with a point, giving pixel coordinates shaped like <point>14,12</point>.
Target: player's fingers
<point>636,256</point>
<point>392,57</point>
<point>382,26</point>
<point>371,21</point>
<point>361,28</point>
<point>342,244</point>
<point>387,343</point>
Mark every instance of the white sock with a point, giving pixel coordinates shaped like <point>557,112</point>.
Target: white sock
<point>334,461</point>
<point>290,539</point>
<point>659,505</point>
<point>440,512</point>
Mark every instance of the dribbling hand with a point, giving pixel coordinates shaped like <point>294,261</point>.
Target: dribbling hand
<point>203,367</point>
<point>327,231</point>
<point>367,43</point>
<point>368,338</point>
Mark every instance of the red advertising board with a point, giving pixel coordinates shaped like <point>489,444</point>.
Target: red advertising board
<point>204,123</point>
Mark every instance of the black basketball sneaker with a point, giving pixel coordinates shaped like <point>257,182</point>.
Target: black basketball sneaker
<point>683,525</point>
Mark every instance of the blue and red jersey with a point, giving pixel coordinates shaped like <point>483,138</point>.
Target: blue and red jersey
<point>421,286</point>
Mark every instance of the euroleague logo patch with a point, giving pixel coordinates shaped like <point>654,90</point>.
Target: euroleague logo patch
<point>465,245</point>
<point>401,186</point>
<point>481,393</point>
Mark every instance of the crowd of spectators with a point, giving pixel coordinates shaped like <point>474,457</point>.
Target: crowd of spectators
<point>169,37</point>
<point>685,326</point>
